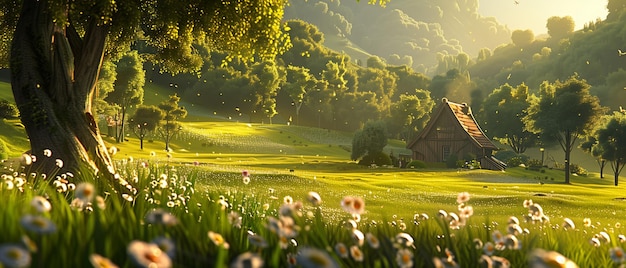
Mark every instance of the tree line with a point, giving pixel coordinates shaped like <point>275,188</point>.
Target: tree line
<point>309,85</point>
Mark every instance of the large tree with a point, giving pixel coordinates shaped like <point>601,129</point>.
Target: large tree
<point>564,112</point>
<point>266,77</point>
<point>560,27</point>
<point>370,140</point>
<point>611,142</point>
<point>55,49</point>
<point>172,113</point>
<point>501,117</point>
<point>297,84</point>
<point>410,114</point>
<point>145,121</point>
<point>128,87</point>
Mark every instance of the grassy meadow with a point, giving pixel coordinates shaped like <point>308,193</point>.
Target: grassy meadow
<point>238,194</point>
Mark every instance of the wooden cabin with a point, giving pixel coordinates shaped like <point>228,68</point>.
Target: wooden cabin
<point>453,130</point>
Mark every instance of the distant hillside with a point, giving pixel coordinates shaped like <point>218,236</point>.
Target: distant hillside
<point>412,32</point>
<point>592,53</point>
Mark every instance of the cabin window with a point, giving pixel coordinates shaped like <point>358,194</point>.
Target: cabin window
<point>445,152</point>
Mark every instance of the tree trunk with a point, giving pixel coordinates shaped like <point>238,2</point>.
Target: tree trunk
<point>602,164</point>
<point>568,150</point>
<point>53,77</point>
<point>121,135</point>
<point>616,172</point>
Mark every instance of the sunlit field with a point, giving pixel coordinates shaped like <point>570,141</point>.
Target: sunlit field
<point>237,194</point>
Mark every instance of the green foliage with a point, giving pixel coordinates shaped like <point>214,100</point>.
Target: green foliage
<point>128,87</point>
<point>517,160</point>
<point>172,113</point>
<point>559,27</point>
<point>522,38</point>
<point>4,150</point>
<point>501,117</point>
<point>534,164</point>
<point>145,121</point>
<point>454,85</point>
<point>266,78</point>
<point>370,140</point>
<point>615,8</point>
<point>416,164</point>
<point>578,170</point>
<point>453,161</point>
<point>564,112</point>
<point>505,155</point>
<point>8,110</point>
<point>410,114</point>
<point>375,158</point>
<point>610,142</point>
<point>468,164</point>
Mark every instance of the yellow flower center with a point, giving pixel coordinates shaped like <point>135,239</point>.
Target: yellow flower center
<point>14,254</point>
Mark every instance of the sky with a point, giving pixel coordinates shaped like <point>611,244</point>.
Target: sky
<point>533,14</point>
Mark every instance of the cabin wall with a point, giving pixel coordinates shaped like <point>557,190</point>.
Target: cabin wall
<point>444,139</point>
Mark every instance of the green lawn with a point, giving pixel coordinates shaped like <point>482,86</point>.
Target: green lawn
<point>294,160</point>
<point>210,156</point>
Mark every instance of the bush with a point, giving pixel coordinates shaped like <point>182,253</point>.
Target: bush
<point>534,164</point>
<point>505,155</point>
<point>8,110</point>
<point>574,168</point>
<point>471,164</point>
<point>416,164</point>
<point>451,162</point>
<point>379,158</point>
<point>518,160</point>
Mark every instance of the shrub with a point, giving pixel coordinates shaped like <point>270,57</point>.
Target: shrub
<point>534,164</point>
<point>505,155</point>
<point>8,110</point>
<point>469,164</point>
<point>451,162</point>
<point>575,168</point>
<point>378,158</point>
<point>416,164</point>
<point>518,160</point>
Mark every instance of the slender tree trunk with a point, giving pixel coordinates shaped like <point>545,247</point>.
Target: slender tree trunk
<point>120,137</point>
<point>617,169</point>
<point>568,150</point>
<point>602,163</point>
<point>53,77</point>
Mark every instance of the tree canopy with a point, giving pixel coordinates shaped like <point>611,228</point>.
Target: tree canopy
<point>611,142</point>
<point>564,112</point>
<point>502,113</point>
<point>55,48</point>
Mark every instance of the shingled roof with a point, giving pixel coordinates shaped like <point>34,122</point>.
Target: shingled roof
<point>463,114</point>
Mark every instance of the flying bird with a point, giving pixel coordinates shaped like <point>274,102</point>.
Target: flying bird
<point>516,2</point>
<point>620,53</point>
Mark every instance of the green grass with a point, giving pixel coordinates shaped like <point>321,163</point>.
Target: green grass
<point>291,161</point>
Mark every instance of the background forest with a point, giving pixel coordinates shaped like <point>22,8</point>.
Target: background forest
<point>350,63</point>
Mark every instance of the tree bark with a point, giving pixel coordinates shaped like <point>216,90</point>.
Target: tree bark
<point>53,76</point>
<point>617,168</point>
<point>568,150</point>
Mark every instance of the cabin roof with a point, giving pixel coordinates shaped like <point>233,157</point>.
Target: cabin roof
<point>463,114</point>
